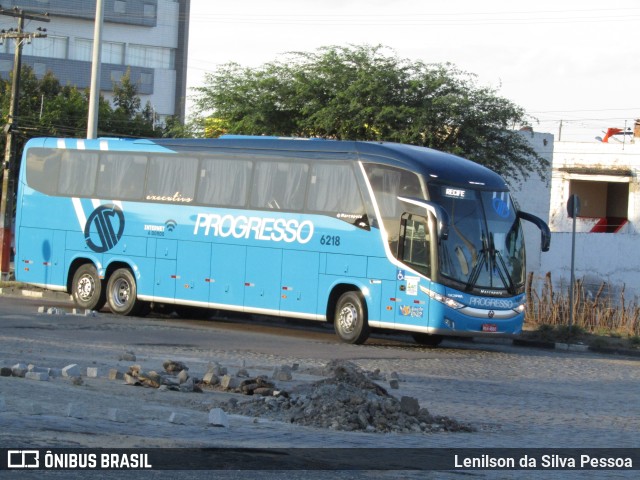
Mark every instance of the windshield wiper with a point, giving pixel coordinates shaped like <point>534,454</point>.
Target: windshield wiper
<point>475,272</point>
<point>504,271</point>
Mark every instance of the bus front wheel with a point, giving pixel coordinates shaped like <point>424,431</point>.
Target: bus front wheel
<point>87,288</point>
<point>350,320</point>
<point>122,293</point>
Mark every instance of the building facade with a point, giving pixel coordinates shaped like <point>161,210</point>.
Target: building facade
<point>604,176</point>
<point>149,37</point>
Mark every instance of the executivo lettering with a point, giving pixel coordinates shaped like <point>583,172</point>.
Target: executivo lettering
<point>266,229</point>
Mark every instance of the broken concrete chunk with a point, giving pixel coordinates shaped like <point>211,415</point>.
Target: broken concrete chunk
<point>218,418</point>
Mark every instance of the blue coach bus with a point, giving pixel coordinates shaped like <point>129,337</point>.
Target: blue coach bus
<point>360,234</point>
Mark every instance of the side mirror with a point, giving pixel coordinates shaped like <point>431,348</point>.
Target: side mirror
<point>442,217</point>
<point>545,233</point>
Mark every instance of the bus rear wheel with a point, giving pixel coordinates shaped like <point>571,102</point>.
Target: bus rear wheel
<point>427,340</point>
<point>87,288</point>
<point>122,293</point>
<point>350,320</point>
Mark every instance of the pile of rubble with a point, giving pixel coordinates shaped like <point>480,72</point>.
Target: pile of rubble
<point>346,400</point>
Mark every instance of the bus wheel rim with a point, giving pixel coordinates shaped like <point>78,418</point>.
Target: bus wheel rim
<point>121,292</point>
<point>348,318</point>
<point>85,288</point>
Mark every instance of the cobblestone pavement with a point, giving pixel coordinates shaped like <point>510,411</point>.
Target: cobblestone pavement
<point>515,397</point>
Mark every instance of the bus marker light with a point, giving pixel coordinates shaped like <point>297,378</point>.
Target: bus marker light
<point>209,280</point>
<point>28,262</point>
<point>247,284</point>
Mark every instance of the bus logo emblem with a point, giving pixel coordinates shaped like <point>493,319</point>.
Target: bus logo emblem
<point>104,228</point>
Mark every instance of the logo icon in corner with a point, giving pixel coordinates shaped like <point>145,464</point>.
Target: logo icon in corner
<point>170,225</point>
<point>104,228</point>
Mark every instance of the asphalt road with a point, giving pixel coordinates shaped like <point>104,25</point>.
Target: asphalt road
<point>513,396</point>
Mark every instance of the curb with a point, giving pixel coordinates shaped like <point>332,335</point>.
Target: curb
<point>46,294</point>
<point>521,342</point>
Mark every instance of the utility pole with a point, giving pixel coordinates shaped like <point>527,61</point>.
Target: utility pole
<point>94,92</point>
<point>9,164</point>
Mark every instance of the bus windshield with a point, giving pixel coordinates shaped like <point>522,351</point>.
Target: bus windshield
<point>485,248</point>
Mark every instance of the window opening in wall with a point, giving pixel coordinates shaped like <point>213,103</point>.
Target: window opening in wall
<point>606,201</point>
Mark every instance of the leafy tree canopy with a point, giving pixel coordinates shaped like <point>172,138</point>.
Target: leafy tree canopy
<point>367,93</point>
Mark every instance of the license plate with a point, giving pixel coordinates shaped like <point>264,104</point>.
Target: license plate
<point>489,327</point>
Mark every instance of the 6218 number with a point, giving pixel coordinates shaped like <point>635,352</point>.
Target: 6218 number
<point>330,240</point>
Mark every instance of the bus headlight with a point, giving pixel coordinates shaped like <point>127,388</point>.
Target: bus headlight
<point>520,308</point>
<point>449,302</point>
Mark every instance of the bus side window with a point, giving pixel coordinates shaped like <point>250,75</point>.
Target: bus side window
<point>43,168</point>
<point>77,173</point>
<point>334,190</point>
<point>279,185</point>
<point>224,182</point>
<point>121,176</point>
<point>172,178</point>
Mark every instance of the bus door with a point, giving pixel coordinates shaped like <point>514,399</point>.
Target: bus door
<point>414,250</point>
<point>192,274</point>
<point>299,290</point>
<point>226,282</point>
<point>166,274</point>
<point>44,261</point>
<point>262,279</point>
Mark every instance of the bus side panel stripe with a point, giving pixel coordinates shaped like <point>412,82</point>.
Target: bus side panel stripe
<point>77,206</point>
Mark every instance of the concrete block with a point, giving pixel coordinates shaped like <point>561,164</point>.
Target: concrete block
<point>183,376</point>
<point>39,376</point>
<point>92,372</point>
<point>72,370</point>
<point>229,383</point>
<point>33,368</point>
<point>19,370</point>
<point>115,374</point>
<point>211,378</point>
<point>5,372</point>
<point>55,372</point>
<point>187,386</point>
<point>394,384</point>
<point>218,418</point>
<point>127,357</point>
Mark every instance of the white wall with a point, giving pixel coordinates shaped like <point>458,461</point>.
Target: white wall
<point>600,257</point>
<point>532,196</point>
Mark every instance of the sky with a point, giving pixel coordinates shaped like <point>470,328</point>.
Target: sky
<point>571,64</point>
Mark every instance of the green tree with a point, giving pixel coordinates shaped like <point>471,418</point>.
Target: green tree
<point>368,93</point>
<point>48,109</point>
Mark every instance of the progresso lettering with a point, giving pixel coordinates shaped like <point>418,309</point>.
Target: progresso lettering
<point>266,229</point>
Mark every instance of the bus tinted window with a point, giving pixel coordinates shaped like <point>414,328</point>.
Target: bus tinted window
<point>43,167</point>
<point>333,189</point>
<point>121,176</point>
<point>224,182</point>
<point>77,173</point>
<point>279,185</point>
<point>171,178</point>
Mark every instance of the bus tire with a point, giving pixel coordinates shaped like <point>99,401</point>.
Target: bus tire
<point>427,339</point>
<point>122,293</point>
<point>350,320</point>
<point>87,288</point>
